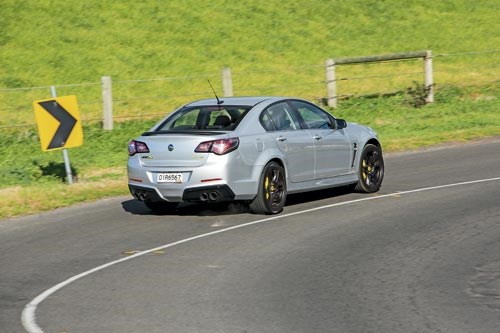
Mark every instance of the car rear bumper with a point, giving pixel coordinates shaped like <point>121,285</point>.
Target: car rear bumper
<point>213,180</point>
<point>213,193</point>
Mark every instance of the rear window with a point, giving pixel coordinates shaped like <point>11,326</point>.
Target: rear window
<point>205,118</point>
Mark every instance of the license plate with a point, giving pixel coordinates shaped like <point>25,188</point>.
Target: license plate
<point>169,177</point>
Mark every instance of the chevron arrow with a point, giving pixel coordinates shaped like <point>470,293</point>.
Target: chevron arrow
<point>66,123</point>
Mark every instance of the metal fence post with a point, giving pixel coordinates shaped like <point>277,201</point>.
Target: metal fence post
<point>429,80</point>
<point>67,163</point>
<point>227,82</point>
<point>107,103</point>
<point>331,83</point>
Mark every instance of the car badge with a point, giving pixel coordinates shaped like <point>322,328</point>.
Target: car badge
<point>170,147</point>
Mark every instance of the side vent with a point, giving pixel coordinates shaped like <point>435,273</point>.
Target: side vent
<point>354,150</point>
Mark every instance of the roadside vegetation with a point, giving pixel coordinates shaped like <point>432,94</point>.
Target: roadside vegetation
<point>33,181</point>
<point>68,42</point>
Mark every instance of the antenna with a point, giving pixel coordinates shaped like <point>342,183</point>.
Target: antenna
<point>216,97</point>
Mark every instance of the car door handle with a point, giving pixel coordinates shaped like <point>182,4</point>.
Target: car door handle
<point>317,137</point>
<point>281,139</point>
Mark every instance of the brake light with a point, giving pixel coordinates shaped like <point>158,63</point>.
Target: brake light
<point>218,147</point>
<point>137,147</point>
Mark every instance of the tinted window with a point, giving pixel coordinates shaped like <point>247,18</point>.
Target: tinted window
<point>313,116</point>
<point>205,118</point>
<point>279,117</point>
<point>266,122</point>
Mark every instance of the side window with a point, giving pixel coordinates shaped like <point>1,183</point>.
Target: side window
<point>313,116</point>
<point>279,117</point>
<point>266,122</point>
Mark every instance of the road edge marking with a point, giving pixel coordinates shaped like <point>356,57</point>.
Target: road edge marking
<point>28,317</point>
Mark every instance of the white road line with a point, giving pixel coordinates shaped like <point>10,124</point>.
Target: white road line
<point>28,316</point>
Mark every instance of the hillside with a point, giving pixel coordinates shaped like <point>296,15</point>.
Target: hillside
<point>161,53</point>
<point>62,42</point>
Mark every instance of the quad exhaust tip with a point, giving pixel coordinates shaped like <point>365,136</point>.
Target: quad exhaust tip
<point>142,196</point>
<point>204,197</point>
<point>212,196</point>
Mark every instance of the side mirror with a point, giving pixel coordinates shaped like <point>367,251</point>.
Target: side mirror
<point>340,123</point>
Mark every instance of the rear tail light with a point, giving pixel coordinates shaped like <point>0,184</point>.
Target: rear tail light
<point>218,147</point>
<point>137,147</point>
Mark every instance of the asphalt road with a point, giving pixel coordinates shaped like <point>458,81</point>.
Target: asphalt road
<point>422,255</point>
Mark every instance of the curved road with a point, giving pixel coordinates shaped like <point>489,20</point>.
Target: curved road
<point>422,255</point>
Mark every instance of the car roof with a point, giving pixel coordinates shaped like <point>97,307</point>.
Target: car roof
<point>250,100</point>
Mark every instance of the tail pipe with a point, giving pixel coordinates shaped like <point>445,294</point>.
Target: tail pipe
<point>214,195</point>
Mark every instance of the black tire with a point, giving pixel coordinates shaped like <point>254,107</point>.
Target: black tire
<point>161,207</point>
<point>370,169</point>
<point>271,194</point>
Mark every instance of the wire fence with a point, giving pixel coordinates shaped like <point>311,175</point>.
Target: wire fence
<point>155,97</point>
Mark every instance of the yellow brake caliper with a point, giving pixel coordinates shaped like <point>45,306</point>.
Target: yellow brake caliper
<point>266,187</point>
<point>363,172</point>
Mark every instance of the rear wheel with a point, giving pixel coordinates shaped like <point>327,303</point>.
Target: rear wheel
<point>271,194</point>
<point>161,207</point>
<point>371,169</point>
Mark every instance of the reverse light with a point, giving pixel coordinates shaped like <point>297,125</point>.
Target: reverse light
<point>218,147</point>
<point>137,147</point>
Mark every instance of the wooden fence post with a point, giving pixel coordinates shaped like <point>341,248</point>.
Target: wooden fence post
<point>227,82</point>
<point>331,83</point>
<point>429,80</point>
<point>107,103</point>
<point>331,63</point>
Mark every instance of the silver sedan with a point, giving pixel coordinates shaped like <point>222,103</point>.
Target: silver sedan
<point>251,149</point>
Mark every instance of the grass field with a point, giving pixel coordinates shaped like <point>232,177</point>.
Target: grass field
<point>273,47</point>
<point>32,181</point>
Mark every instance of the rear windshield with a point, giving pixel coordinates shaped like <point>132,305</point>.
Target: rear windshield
<point>205,118</point>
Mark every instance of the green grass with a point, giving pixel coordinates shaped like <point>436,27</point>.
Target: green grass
<point>273,48</point>
<point>456,115</point>
<point>23,162</point>
<point>32,180</point>
<point>78,41</point>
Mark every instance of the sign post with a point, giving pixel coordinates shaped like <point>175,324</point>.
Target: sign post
<point>67,164</point>
<point>59,125</point>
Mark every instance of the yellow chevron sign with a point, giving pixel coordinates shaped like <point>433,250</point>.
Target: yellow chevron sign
<point>58,121</point>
